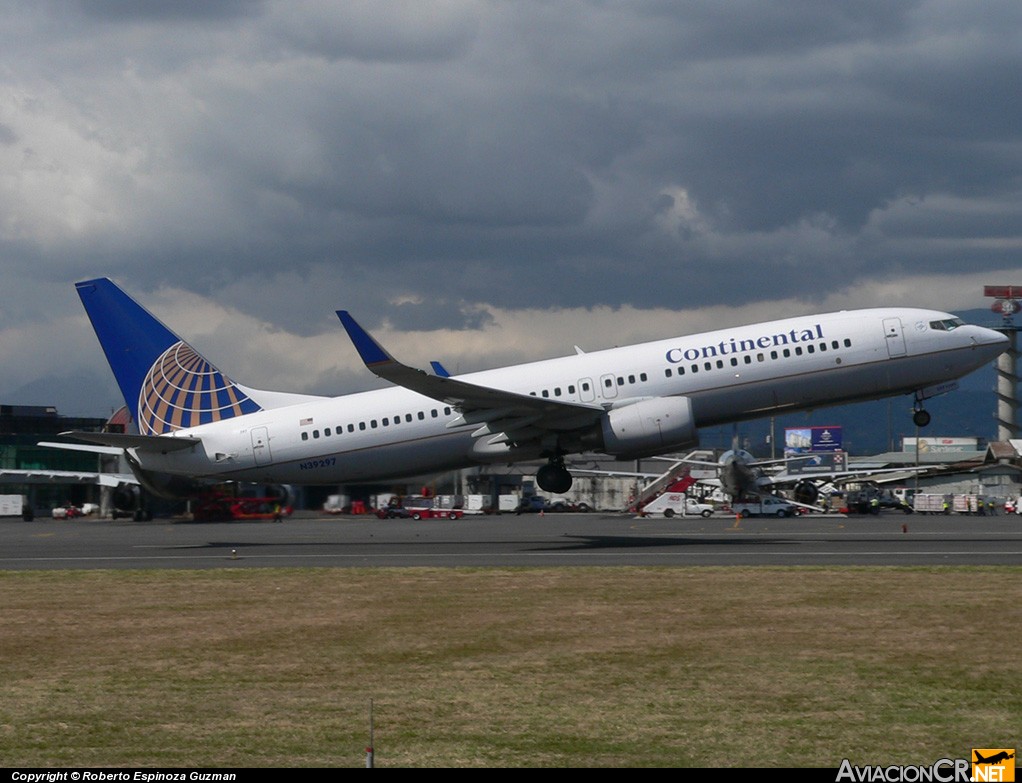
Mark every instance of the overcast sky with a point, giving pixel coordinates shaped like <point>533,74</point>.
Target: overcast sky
<point>482,181</point>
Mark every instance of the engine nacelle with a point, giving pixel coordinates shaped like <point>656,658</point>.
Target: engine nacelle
<point>806,492</point>
<point>648,427</point>
<point>126,497</point>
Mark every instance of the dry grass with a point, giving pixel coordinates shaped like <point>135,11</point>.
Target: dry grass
<point>508,667</point>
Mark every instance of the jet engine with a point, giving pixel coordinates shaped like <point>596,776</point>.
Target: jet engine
<point>646,428</point>
<point>806,493</point>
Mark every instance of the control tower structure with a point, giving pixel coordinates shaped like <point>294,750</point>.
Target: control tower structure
<point>1007,304</point>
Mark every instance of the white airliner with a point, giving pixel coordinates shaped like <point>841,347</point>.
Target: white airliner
<point>633,401</point>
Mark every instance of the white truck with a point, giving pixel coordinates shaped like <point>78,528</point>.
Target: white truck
<point>672,504</point>
<point>766,506</point>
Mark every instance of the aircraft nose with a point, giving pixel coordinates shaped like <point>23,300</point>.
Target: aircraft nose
<point>991,341</point>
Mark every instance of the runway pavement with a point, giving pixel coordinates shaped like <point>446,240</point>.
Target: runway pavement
<point>512,541</point>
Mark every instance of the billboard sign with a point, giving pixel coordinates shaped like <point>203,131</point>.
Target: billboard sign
<point>805,440</point>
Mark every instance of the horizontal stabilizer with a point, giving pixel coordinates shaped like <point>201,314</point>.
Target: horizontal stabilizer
<point>157,443</point>
<point>113,451</point>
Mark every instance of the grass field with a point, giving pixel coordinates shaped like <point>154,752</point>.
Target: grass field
<point>578,667</point>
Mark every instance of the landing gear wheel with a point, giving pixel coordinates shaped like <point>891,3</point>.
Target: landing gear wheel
<point>921,418</point>
<point>554,477</point>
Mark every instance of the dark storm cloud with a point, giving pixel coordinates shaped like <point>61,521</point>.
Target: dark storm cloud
<point>426,162</point>
<point>167,10</point>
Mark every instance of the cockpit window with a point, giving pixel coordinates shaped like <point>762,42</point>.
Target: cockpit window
<point>947,325</point>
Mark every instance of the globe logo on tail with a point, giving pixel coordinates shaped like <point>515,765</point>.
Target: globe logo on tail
<point>183,390</point>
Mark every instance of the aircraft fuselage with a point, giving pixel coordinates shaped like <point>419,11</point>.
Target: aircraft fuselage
<point>728,375</point>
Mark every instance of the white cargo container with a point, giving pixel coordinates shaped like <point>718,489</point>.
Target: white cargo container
<point>924,503</point>
<point>11,505</point>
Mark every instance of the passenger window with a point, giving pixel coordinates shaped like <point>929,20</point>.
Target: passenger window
<point>315,434</point>
<point>305,436</point>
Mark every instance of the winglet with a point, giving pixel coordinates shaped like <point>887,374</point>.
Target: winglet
<point>370,351</point>
<point>381,363</point>
<point>439,369</point>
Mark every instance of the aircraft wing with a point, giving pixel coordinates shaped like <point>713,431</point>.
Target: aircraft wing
<point>504,414</point>
<point>844,476</point>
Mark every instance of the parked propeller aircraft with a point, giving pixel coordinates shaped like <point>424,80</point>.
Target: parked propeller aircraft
<point>740,475</point>
<point>195,424</point>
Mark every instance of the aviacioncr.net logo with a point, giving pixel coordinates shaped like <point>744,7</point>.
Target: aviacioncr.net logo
<point>941,771</point>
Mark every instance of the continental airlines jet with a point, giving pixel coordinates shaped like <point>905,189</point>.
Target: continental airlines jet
<point>194,423</point>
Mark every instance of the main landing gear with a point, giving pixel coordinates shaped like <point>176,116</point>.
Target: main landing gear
<point>554,477</point>
<point>920,417</point>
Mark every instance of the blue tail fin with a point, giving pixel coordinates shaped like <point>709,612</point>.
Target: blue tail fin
<point>166,384</point>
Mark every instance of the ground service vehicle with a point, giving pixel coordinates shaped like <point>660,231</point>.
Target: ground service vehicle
<point>672,504</point>
<point>767,506</point>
